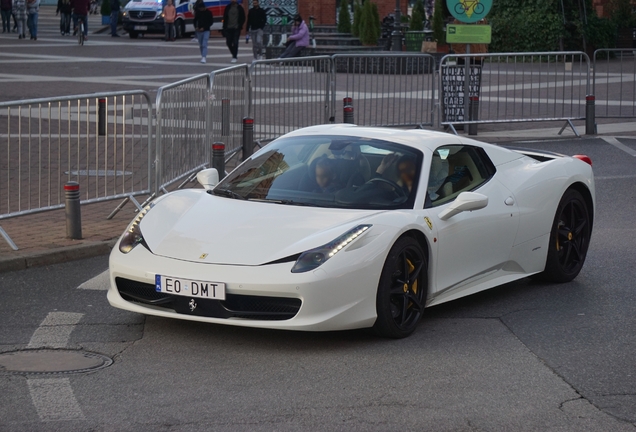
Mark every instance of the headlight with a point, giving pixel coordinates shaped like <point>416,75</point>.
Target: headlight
<point>314,258</point>
<point>132,237</point>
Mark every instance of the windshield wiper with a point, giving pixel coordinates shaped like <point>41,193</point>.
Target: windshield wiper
<point>286,202</point>
<point>227,193</point>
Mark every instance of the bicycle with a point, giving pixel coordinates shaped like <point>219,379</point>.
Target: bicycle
<point>462,8</point>
<point>80,28</point>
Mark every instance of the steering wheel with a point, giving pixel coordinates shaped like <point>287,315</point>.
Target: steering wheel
<point>396,187</point>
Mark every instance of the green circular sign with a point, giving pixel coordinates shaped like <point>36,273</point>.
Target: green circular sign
<point>469,11</point>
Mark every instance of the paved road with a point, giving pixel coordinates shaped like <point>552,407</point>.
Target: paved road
<point>56,65</point>
<point>525,356</point>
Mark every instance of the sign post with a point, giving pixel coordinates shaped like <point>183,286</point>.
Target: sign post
<point>468,11</point>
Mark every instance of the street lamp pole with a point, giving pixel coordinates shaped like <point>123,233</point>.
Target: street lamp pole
<point>396,35</point>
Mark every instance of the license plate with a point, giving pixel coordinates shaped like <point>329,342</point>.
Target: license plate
<point>140,28</point>
<point>190,288</point>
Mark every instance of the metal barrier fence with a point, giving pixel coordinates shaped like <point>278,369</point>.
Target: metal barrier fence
<point>182,130</point>
<point>228,101</point>
<point>101,141</point>
<point>388,89</point>
<point>514,87</point>
<point>289,94</point>
<point>614,81</point>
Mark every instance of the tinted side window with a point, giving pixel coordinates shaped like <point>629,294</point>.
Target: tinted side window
<point>456,169</point>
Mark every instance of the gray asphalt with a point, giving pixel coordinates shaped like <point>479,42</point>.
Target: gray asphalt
<point>525,356</point>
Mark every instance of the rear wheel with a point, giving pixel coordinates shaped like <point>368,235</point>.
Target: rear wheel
<point>569,239</point>
<point>402,290</point>
<point>133,34</point>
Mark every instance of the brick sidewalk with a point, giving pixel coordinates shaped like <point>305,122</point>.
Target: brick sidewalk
<point>43,233</point>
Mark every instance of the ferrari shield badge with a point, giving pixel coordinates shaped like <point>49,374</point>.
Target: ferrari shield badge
<point>203,255</point>
<point>428,222</point>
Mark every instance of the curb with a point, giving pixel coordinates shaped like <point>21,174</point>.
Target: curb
<point>56,256</point>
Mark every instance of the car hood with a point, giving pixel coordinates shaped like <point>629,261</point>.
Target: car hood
<point>192,225</point>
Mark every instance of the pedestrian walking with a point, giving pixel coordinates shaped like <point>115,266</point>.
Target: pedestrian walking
<point>114,17</point>
<point>298,40</point>
<point>33,7</point>
<point>256,20</point>
<point>5,11</point>
<point>20,14</point>
<point>233,20</point>
<point>169,15</point>
<point>203,20</point>
<point>64,9</point>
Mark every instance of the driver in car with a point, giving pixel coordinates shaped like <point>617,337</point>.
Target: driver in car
<point>406,169</point>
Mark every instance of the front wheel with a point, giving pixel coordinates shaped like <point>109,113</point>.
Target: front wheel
<point>402,290</point>
<point>569,239</point>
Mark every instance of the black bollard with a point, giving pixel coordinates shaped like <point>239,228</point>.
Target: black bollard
<point>225,117</point>
<point>248,137</point>
<point>101,116</point>
<point>590,115</point>
<point>218,158</point>
<point>347,116</point>
<point>473,114</point>
<point>73,212</point>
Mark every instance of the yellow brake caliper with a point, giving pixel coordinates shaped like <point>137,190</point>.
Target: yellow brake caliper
<point>414,286</point>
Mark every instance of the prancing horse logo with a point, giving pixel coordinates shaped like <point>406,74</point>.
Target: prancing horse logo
<point>193,305</point>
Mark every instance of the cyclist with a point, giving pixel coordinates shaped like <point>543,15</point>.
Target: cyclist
<point>80,12</point>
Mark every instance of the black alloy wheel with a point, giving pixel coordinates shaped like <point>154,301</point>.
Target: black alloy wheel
<point>402,290</point>
<point>569,239</point>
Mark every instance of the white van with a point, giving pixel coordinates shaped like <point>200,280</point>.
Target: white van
<point>146,16</point>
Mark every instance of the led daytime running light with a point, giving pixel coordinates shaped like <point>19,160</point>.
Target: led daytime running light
<point>314,258</point>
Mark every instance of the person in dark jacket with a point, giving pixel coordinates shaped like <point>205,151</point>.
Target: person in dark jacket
<point>256,20</point>
<point>233,20</point>
<point>80,12</point>
<point>203,20</point>
<point>114,17</point>
<point>5,10</point>
<point>64,9</point>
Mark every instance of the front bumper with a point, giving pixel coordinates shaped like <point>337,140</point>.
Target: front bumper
<point>154,26</point>
<point>339,295</point>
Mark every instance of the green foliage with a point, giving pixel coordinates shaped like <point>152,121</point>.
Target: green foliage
<point>357,15</point>
<point>539,25</point>
<point>370,29</point>
<point>417,17</point>
<point>344,17</point>
<point>438,22</point>
<point>105,10</point>
<point>621,13</point>
<point>600,32</point>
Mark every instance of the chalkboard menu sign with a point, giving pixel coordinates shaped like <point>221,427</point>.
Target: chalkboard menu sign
<point>453,103</point>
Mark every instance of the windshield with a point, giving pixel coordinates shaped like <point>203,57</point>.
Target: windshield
<point>328,171</point>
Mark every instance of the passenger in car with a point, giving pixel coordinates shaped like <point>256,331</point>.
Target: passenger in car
<point>326,176</point>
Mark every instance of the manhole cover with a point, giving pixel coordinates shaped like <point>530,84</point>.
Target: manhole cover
<point>52,361</point>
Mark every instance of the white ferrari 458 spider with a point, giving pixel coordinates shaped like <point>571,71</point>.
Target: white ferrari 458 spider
<point>340,227</point>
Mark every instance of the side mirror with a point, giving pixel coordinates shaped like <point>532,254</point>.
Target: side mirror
<point>208,178</point>
<point>465,201</point>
